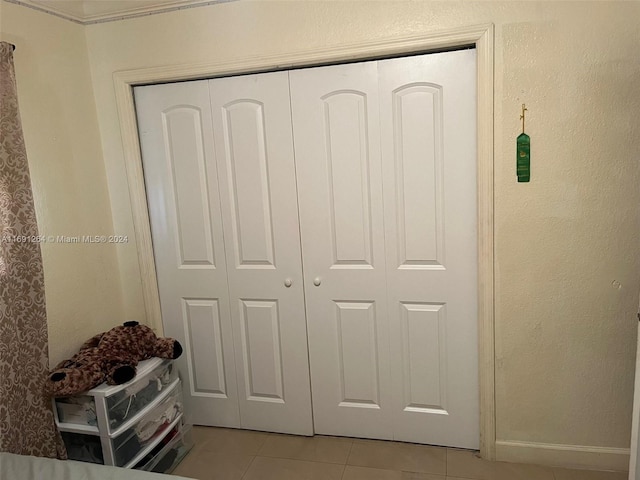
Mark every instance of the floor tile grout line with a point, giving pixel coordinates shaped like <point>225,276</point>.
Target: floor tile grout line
<point>295,460</point>
<point>346,462</point>
<point>289,456</point>
<point>246,470</point>
<point>298,459</point>
<point>264,442</point>
<point>446,462</point>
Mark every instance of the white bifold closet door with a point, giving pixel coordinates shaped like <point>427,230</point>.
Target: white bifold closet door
<point>218,161</point>
<point>385,158</point>
<point>378,205</point>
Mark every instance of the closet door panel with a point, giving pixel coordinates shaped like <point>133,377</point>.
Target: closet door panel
<point>346,136</point>
<point>336,131</point>
<point>181,180</point>
<point>254,154</point>
<point>245,160</point>
<point>427,112</point>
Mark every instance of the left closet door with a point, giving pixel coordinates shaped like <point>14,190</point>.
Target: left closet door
<point>234,161</point>
<point>181,179</point>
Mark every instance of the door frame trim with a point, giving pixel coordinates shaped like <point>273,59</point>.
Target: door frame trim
<point>481,36</point>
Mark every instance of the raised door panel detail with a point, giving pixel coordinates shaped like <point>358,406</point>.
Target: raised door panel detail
<point>249,187</point>
<point>357,354</point>
<point>204,348</point>
<point>424,357</point>
<point>419,175</point>
<point>182,132</point>
<point>346,138</point>
<point>260,324</point>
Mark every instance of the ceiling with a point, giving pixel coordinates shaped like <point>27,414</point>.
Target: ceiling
<point>90,11</point>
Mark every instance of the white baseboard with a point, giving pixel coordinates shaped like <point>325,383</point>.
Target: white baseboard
<point>569,456</point>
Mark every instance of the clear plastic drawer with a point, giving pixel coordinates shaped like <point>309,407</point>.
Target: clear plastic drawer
<point>130,400</point>
<point>168,453</point>
<point>83,447</point>
<point>145,431</point>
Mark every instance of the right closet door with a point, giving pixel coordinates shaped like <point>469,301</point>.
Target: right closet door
<point>386,169</point>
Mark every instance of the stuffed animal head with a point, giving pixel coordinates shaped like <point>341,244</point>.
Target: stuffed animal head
<point>111,356</point>
<point>71,376</point>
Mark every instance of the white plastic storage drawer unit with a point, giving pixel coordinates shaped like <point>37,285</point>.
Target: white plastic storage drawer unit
<point>134,425</point>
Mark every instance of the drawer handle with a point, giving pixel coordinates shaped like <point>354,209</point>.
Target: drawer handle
<point>288,282</point>
<point>317,281</point>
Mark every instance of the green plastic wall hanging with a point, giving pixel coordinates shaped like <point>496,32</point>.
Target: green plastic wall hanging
<point>523,153</point>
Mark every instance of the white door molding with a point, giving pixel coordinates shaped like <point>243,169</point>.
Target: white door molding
<point>481,36</point>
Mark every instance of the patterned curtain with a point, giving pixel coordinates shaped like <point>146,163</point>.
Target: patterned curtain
<point>26,419</point>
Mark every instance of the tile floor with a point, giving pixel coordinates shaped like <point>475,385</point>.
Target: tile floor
<point>227,454</point>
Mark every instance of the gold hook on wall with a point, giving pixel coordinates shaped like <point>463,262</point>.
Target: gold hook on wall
<point>524,109</point>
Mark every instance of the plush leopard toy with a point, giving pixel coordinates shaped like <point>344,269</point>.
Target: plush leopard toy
<point>111,356</point>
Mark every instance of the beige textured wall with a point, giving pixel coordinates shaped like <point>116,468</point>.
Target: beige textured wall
<point>567,250</point>
<point>57,107</point>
